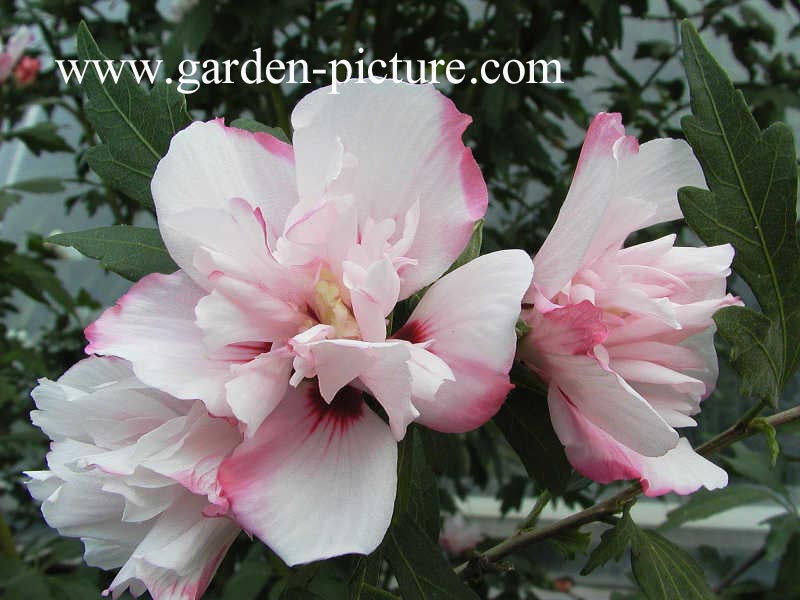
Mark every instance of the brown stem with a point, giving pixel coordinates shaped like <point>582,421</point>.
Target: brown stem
<point>739,570</point>
<point>616,503</point>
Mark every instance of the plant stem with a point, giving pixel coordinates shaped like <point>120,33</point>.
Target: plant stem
<point>541,501</point>
<point>616,503</point>
<point>739,570</point>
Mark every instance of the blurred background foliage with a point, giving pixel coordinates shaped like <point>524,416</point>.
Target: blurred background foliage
<point>617,55</point>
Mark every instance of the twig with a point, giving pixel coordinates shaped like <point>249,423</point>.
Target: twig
<point>740,430</point>
<point>739,570</point>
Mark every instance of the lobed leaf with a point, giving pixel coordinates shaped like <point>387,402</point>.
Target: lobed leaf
<point>751,204</point>
<point>134,125</point>
<point>664,571</point>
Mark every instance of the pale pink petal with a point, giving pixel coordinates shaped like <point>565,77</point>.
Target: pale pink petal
<point>179,555</point>
<point>316,480</point>
<point>599,457</point>
<point>373,293</point>
<point>208,165</point>
<point>468,320</point>
<point>252,316</point>
<point>610,403</point>
<point>592,452</point>
<point>391,146</point>
<point>153,326</point>
<point>590,194</point>
<point>681,470</point>
<point>258,387</point>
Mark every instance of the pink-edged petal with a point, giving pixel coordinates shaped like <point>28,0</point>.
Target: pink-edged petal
<point>258,387</point>
<point>179,555</point>
<point>592,452</point>
<point>316,480</point>
<point>392,146</point>
<point>153,326</point>
<point>655,173</point>
<point>601,458</point>
<point>207,165</point>
<point>584,208</point>
<point>610,403</point>
<point>468,320</point>
<point>681,470</point>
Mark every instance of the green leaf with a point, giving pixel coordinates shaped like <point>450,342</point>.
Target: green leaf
<point>754,341</point>
<point>132,252</point>
<point>524,420</point>
<point>255,127</point>
<point>41,137</point>
<point>752,178</point>
<point>34,279</point>
<point>135,126</point>
<point>571,542</point>
<point>787,582</point>
<point>781,530</point>
<point>7,200</point>
<point>419,566</point>
<point>363,584</point>
<point>40,185</point>
<point>704,503</point>
<point>417,489</point>
<point>664,571</point>
<point>613,543</point>
<point>250,577</point>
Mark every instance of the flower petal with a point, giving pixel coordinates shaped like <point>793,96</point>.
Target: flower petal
<point>468,320</point>
<point>153,326</point>
<point>316,480</point>
<point>407,151</point>
<point>599,457</point>
<point>208,165</point>
<point>179,555</point>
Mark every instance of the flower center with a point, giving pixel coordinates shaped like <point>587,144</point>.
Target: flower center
<point>331,308</point>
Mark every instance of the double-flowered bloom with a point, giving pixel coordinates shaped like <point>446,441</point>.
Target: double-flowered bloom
<point>292,259</point>
<point>624,336</point>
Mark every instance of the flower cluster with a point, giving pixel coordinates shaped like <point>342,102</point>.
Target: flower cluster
<point>264,385</point>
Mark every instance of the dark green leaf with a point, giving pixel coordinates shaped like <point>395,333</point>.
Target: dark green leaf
<point>42,137</point>
<point>7,200</point>
<point>704,503</point>
<point>524,420</point>
<point>36,280</point>
<point>752,178</point>
<point>417,490</point>
<point>787,582</point>
<point>135,126</point>
<point>571,542</point>
<point>664,571</point>
<point>419,566</point>
<point>255,127</point>
<point>754,342</point>
<point>781,530</point>
<point>132,252</point>
<point>613,543</point>
<point>40,185</point>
